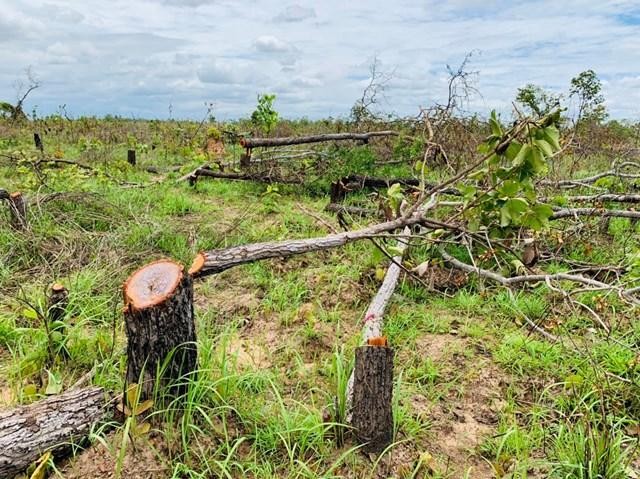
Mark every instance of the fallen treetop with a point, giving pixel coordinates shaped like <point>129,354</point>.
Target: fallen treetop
<point>299,140</point>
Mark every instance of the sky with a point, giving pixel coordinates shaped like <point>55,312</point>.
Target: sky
<point>169,58</point>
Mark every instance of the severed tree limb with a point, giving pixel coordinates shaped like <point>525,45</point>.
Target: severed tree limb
<point>574,212</point>
<point>53,424</point>
<point>212,262</point>
<point>615,172</point>
<point>207,171</point>
<point>604,197</point>
<point>298,140</point>
<point>627,294</point>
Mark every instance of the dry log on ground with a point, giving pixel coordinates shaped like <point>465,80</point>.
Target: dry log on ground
<point>215,261</point>
<point>208,172</point>
<point>53,424</point>
<point>603,198</point>
<point>372,397</point>
<point>575,212</point>
<point>614,172</point>
<point>298,140</point>
<point>160,327</point>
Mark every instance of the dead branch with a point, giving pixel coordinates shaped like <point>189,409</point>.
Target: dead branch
<point>575,212</point>
<point>536,278</point>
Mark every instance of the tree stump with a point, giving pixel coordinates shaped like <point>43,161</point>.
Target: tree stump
<point>131,157</point>
<point>18,210</point>
<point>53,424</point>
<point>37,141</point>
<point>58,301</point>
<point>160,327</point>
<point>372,416</point>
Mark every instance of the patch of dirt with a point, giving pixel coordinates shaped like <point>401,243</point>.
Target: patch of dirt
<point>146,461</point>
<point>462,420</point>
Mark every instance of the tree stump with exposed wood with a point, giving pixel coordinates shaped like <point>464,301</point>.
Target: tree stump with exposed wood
<point>58,301</point>
<point>372,415</point>
<point>160,327</point>
<point>18,210</point>
<point>53,424</point>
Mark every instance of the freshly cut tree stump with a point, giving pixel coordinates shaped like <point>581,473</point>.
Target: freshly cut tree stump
<point>58,301</point>
<point>160,326</point>
<point>18,209</point>
<point>372,416</point>
<point>53,424</point>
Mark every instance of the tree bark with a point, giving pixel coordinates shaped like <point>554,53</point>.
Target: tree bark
<point>58,301</point>
<point>571,212</point>
<point>212,262</point>
<point>160,327</point>
<point>298,140</point>
<point>372,395</point>
<point>18,209</point>
<point>52,424</point>
<point>131,157</point>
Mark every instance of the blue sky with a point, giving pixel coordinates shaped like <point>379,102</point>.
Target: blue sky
<point>135,58</point>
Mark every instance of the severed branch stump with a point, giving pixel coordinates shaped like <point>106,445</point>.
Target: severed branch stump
<point>160,327</point>
<point>57,303</point>
<point>372,415</point>
<point>18,210</point>
<point>53,424</point>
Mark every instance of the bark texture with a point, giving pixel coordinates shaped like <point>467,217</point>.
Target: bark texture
<point>160,327</point>
<point>298,140</point>
<point>215,261</point>
<point>52,424</point>
<point>372,394</point>
<point>18,209</point>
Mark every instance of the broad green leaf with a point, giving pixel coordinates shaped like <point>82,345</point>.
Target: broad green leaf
<point>508,189</point>
<point>522,155</point>
<point>512,150</point>
<point>545,147</point>
<point>537,161</point>
<point>29,313</point>
<point>505,216</point>
<point>495,126</point>
<point>552,136</point>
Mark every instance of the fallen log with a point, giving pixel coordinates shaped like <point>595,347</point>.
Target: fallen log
<point>575,212</point>
<point>208,172</point>
<point>352,181</point>
<point>160,327</point>
<point>603,198</point>
<point>299,140</point>
<point>215,261</point>
<point>614,172</point>
<point>53,424</point>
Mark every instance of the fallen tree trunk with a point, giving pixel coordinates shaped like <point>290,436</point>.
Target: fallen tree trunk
<point>160,327</point>
<point>574,212</point>
<point>360,181</point>
<point>206,171</point>
<point>212,262</point>
<point>299,140</point>
<point>53,424</point>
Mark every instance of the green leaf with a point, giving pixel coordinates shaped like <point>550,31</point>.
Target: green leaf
<point>54,384</point>
<point>522,155</point>
<point>496,129</point>
<point>512,150</point>
<point>505,216</point>
<point>552,136</point>
<point>545,147</point>
<point>537,161</point>
<point>30,313</point>
<point>509,189</point>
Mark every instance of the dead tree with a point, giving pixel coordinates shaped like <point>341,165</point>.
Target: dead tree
<point>250,143</point>
<point>53,424</point>
<point>161,335</point>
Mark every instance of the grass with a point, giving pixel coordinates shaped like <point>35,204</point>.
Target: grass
<point>276,338</point>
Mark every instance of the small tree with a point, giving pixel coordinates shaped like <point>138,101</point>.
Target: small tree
<point>587,87</point>
<point>265,117</point>
<point>536,100</point>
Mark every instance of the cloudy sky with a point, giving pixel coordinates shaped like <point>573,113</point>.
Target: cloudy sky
<point>136,58</point>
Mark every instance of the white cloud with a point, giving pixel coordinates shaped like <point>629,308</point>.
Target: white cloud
<point>112,57</point>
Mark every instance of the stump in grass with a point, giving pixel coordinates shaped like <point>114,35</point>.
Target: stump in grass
<point>18,209</point>
<point>372,416</point>
<point>131,157</point>
<point>159,324</point>
<point>37,141</point>
<point>58,301</point>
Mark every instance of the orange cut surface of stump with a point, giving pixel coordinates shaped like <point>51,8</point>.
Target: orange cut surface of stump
<point>198,264</point>
<point>152,284</point>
